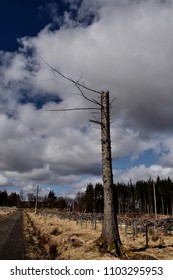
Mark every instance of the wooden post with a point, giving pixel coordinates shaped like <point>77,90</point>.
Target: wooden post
<point>146,232</point>
<point>126,227</point>
<point>136,230</point>
<point>155,231</point>
<point>133,230</point>
<point>121,225</point>
<point>81,221</point>
<point>94,223</point>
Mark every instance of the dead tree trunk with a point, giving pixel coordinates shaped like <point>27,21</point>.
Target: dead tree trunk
<point>110,235</point>
<point>36,199</point>
<point>110,239</point>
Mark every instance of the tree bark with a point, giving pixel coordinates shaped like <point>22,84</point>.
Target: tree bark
<point>110,234</point>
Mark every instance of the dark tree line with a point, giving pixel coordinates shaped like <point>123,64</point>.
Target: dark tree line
<point>11,200</point>
<point>49,201</point>
<point>130,198</point>
<point>91,200</point>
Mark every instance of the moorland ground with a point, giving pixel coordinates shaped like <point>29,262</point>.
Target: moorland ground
<point>47,236</point>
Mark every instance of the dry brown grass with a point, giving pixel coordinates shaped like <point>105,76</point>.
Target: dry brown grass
<point>66,240</point>
<point>63,239</point>
<point>33,248</point>
<point>160,248</point>
<point>6,212</point>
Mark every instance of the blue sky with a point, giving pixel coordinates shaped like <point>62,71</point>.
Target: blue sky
<point>121,46</point>
<point>23,18</point>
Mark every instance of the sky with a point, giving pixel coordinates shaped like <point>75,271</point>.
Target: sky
<point>125,47</point>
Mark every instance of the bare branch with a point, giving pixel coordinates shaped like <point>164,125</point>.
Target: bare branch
<point>97,122</point>
<point>88,99</point>
<point>112,100</point>
<point>96,102</point>
<point>80,78</point>
<point>92,100</point>
<point>76,83</point>
<point>71,109</point>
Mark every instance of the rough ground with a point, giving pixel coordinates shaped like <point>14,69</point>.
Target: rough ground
<point>66,239</point>
<point>24,235</point>
<point>11,237</point>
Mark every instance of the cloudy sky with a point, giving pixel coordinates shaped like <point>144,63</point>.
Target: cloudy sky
<point>124,46</point>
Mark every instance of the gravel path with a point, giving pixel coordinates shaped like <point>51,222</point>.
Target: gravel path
<point>11,237</point>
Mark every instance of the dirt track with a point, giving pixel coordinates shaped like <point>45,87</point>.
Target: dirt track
<point>11,237</point>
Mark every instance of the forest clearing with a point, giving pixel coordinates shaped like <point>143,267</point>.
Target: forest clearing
<point>50,237</point>
<point>63,235</point>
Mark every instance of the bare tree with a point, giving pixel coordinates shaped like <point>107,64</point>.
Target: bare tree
<point>110,238</point>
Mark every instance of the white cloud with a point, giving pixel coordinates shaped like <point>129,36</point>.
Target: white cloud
<point>127,50</point>
<point>142,172</point>
<point>81,184</point>
<point>3,180</point>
